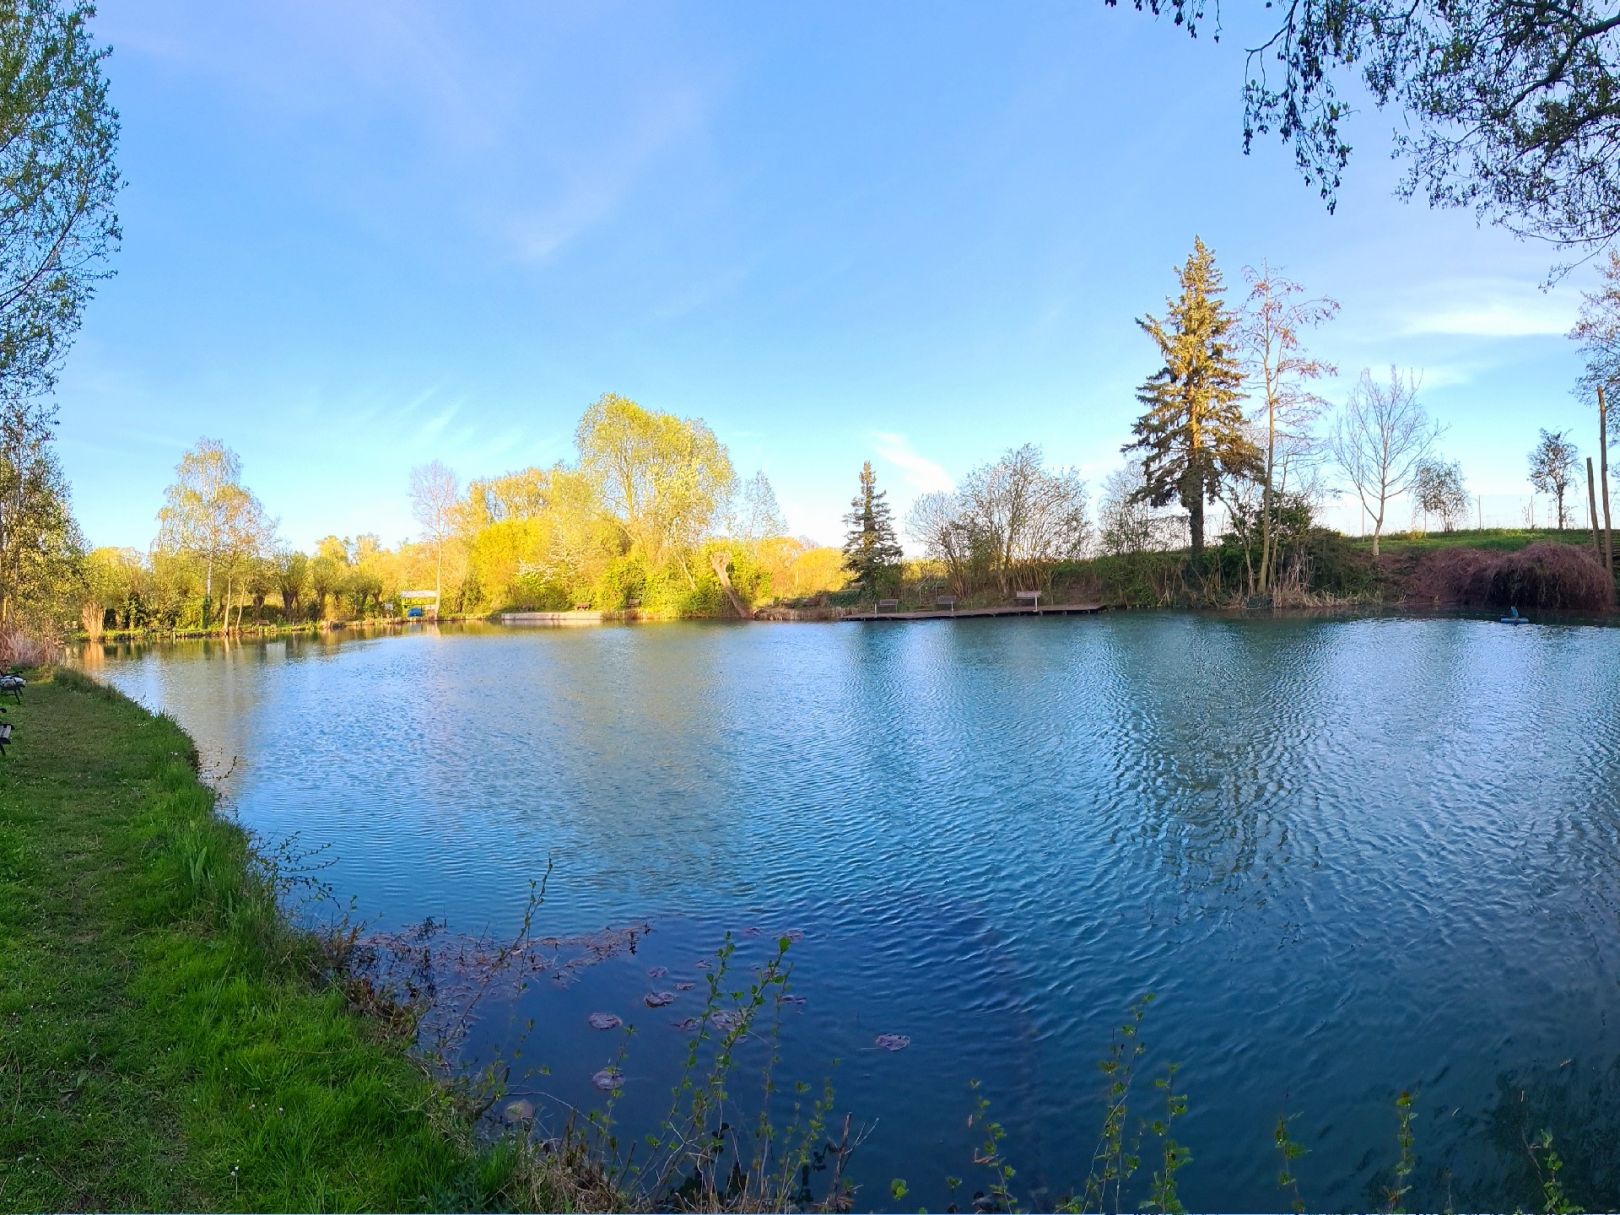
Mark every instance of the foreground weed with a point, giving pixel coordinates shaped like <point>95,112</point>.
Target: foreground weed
<point>1548,1165</point>
<point>1290,1150</point>
<point>1395,1195</point>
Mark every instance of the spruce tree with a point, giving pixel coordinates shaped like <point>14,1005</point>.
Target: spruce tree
<point>1192,436</point>
<point>870,548</point>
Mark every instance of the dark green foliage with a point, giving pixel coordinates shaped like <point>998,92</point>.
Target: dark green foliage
<point>1508,107</point>
<point>871,552</point>
<point>1192,437</point>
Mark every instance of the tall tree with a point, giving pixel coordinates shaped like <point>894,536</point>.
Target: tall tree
<point>871,551</point>
<point>1508,106</point>
<point>39,542</point>
<point>1380,438</point>
<point>667,479</point>
<point>1192,435</point>
<point>1552,467</point>
<point>207,512</point>
<point>58,184</point>
<point>434,493</point>
<point>1272,324</point>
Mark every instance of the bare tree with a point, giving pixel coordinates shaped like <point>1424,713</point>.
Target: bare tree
<point>1437,489</point>
<point>434,491</point>
<point>1028,517</point>
<point>937,522</point>
<point>1552,467</point>
<point>1380,438</point>
<point>1127,523</point>
<point>1272,321</point>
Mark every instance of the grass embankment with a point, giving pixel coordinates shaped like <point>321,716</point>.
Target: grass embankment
<point>166,1040</point>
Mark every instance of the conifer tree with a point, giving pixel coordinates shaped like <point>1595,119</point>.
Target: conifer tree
<point>870,547</point>
<point>1192,435</point>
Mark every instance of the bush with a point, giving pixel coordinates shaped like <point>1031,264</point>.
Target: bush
<point>1543,575</point>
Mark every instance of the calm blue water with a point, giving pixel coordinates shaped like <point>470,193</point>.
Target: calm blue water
<point>1350,857</point>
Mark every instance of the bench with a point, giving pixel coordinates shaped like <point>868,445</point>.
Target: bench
<point>946,601</point>
<point>887,605</point>
<point>5,734</point>
<point>1033,598</point>
<point>13,684</point>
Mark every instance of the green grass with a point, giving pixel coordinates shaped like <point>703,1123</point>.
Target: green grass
<point>166,1042</point>
<point>1490,539</point>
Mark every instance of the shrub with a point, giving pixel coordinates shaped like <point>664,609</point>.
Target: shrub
<point>20,647</point>
<point>1543,575</point>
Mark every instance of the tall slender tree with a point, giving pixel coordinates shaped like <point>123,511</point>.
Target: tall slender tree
<point>1379,441</point>
<point>1192,436</point>
<point>1272,325</point>
<point>871,551</point>
<point>434,492</point>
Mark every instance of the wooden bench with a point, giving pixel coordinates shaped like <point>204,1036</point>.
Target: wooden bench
<point>1033,598</point>
<point>13,684</point>
<point>5,734</point>
<point>946,601</point>
<point>887,605</point>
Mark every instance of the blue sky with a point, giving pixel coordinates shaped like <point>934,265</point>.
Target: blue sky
<point>362,236</point>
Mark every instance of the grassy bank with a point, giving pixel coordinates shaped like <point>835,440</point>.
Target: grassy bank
<point>166,1041</point>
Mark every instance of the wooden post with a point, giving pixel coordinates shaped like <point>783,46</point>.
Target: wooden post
<point>1591,511</point>
<point>1603,480</point>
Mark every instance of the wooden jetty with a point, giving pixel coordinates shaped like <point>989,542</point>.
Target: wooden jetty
<point>554,618</point>
<point>1046,609</point>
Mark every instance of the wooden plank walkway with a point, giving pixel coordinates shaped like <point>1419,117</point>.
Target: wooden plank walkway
<point>586,617</point>
<point>1053,609</point>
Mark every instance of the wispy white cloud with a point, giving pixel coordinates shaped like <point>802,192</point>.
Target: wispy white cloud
<point>593,187</point>
<point>1492,309</point>
<point>921,473</point>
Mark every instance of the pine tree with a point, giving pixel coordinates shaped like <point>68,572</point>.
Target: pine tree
<point>870,548</point>
<point>1192,436</point>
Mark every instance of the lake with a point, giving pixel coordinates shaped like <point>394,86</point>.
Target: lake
<point>1350,857</point>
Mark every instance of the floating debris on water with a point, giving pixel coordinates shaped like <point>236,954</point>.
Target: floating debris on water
<point>608,1078</point>
<point>657,972</point>
<point>893,1041</point>
<point>685,985</point>
<point>657,999</point>
<point>686,1023</point>
<point>728,1019</point>
<point>797,1001</point>
<point>519,1111</point>
<point>601,1020</point>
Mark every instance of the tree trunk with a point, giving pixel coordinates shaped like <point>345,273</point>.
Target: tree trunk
<point>1591,511</point>
<point>719,561</point>
<point>1603,480</point>
<point>1195,519</point>
<point>1265,499</point>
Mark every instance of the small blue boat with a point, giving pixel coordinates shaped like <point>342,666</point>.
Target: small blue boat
<point>1515,618</point>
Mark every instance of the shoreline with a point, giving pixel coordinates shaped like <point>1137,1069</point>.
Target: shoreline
<point>175,1043</point>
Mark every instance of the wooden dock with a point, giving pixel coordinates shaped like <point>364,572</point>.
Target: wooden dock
<point>554,618</point>
<point>1052,609</point>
